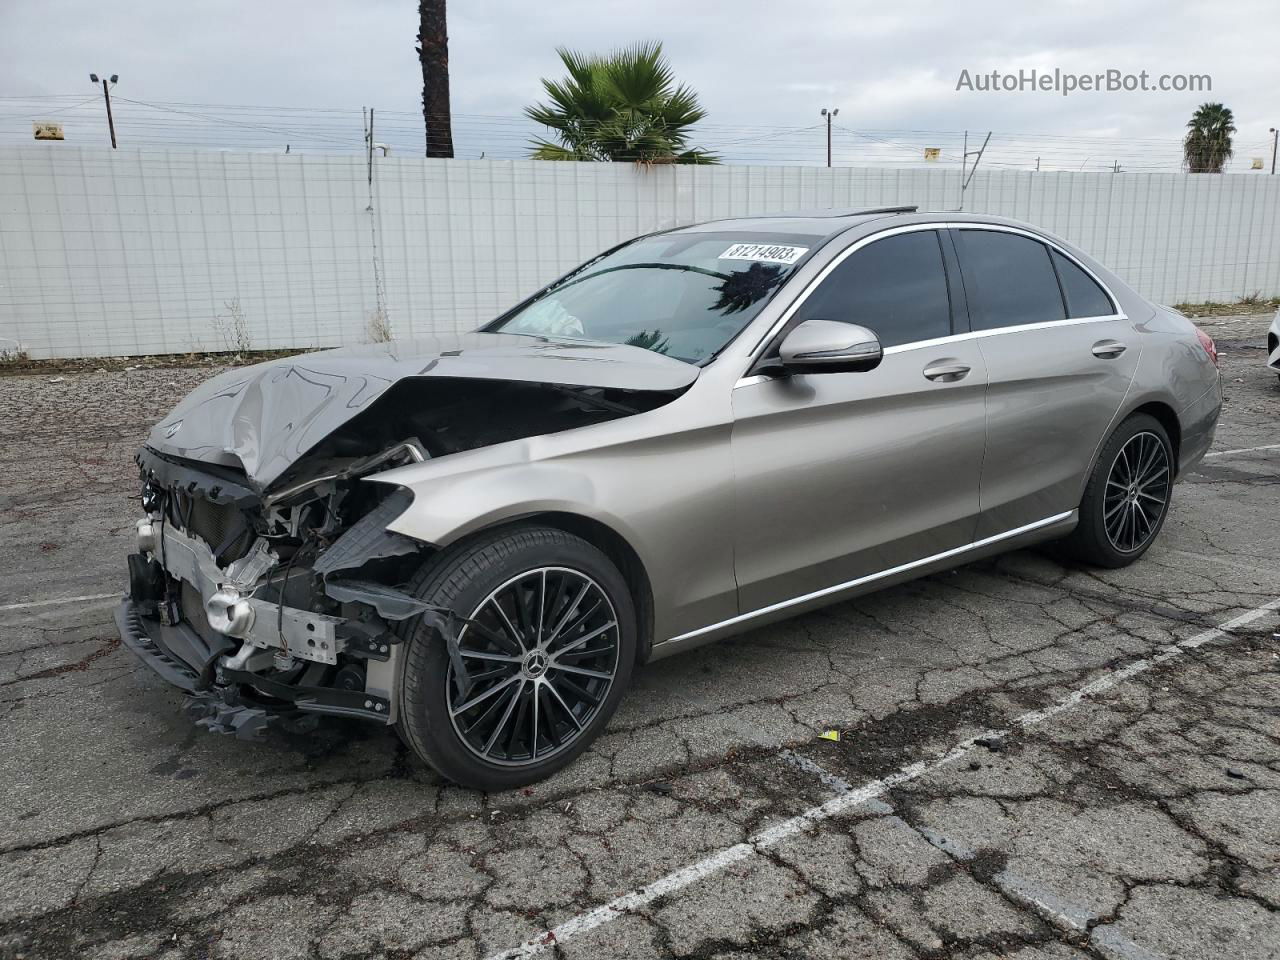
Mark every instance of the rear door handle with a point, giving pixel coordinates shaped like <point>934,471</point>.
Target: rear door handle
<point>946,371</point>
<point>1108,349</point>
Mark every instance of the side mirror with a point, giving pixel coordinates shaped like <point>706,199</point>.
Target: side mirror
<point>825,346</point>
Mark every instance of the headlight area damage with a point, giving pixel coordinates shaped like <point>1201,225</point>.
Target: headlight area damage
<point>277,603</point>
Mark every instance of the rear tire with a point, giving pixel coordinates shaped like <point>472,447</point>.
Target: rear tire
<point>1127,498</point>
<point>532,714</point>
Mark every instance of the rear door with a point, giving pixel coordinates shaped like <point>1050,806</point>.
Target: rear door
<point>840,476</point>
<point>1059,357</point>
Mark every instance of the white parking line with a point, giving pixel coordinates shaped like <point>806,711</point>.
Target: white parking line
<point>1232,453</point>
<point>57,600</point>
<point>785,829</point>
<point>815,769</point>
<point>1225,561</point>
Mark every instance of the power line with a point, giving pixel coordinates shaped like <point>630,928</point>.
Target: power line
<point>161,123</point>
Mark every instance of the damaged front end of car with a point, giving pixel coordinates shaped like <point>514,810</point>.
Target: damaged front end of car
<point>272,607</point>
<point>266,583</point>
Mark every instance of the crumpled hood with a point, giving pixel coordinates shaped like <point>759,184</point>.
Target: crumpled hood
<point>263,418</point>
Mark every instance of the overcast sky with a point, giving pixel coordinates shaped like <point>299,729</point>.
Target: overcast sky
<point>756,63</point>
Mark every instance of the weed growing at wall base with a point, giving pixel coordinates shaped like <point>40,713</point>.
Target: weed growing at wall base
<point>233,329</point>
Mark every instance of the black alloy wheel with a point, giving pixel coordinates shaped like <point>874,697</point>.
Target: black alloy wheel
<point>1137,492</point>
<point>1127,496</point>
<point>546,643</point>
<point>539,654</point>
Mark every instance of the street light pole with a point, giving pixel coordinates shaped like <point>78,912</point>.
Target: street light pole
<point>1275,134</point>
<point>106,95</point>
<point>829,114</point>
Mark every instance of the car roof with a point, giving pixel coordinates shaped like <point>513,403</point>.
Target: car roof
<point>829,222</point>
<point>816,223</point>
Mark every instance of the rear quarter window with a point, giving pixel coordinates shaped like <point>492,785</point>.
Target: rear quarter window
<point>1084,297</point>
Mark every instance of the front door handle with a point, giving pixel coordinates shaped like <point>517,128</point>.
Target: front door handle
<point>1108,349</point>
<point>946,371</point>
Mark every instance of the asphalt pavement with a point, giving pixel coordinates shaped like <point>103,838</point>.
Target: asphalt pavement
<point>1036,760</point>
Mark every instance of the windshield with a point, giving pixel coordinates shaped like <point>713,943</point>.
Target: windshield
<point>685,295</point>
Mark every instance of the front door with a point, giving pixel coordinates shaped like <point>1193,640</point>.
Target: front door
<point>841,476</point>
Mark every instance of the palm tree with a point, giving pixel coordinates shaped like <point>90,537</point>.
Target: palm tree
<point>624,106</point>
<point>433,54</point>
<point>1208,142</point>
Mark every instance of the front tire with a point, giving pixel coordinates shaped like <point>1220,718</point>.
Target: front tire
<point>1127,498</point>
<point>547,651</point>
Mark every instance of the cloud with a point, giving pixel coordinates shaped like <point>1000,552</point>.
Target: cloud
<point>755,64</point>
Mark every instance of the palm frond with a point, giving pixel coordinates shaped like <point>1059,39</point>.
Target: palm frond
<point>546,150</point>
<point>581,67</point>
<point>697,156</point>
<point>639,76</point>
<point>623,107</point>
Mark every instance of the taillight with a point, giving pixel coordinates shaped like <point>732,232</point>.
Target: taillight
<point>1206,341</point>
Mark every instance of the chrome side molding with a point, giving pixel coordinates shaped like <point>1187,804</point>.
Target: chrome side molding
<point>872,577</point>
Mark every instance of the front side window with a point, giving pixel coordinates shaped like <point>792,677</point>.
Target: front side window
<point>685,295</point>
<point>1084,297</point>
<point>1009,279</point>
<point>895,287</point>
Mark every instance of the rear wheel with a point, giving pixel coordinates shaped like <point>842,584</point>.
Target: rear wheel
<point>545,653</point>
<point>1127,498</point>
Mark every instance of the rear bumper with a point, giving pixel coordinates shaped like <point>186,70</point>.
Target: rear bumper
<point>1199,421</point>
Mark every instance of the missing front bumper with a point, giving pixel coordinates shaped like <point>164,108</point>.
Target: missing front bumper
<point>247,647</point>
<point>233,701</point>
<point>300,633</point>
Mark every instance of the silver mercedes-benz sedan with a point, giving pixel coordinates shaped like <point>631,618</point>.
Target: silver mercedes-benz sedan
<point>477,539</point>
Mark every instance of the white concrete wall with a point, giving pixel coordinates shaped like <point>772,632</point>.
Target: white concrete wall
<point>129,252</point>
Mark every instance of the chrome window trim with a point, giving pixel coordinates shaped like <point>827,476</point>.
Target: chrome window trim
<point>872,577</point>
<point>1005,228</point>
<point>998,331</point>
<point>857,245</point>
<point>961,338</point>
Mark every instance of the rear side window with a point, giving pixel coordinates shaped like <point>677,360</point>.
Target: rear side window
<point>1009,279</point>
<point>895,287</point>
<point>1084,297</point>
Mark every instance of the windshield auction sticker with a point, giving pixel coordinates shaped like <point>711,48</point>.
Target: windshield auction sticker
<point>765,252</point>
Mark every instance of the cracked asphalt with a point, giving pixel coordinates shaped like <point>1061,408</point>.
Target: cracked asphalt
<point>1139,821</point>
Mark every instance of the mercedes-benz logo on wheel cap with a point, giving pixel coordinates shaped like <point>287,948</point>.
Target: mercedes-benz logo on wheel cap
<point>535,664</point>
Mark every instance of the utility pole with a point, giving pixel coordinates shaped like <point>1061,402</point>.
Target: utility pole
<point>106,95</point>
<point>829,114</point>
<point>368,151</point>
<point>1274,135</point>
